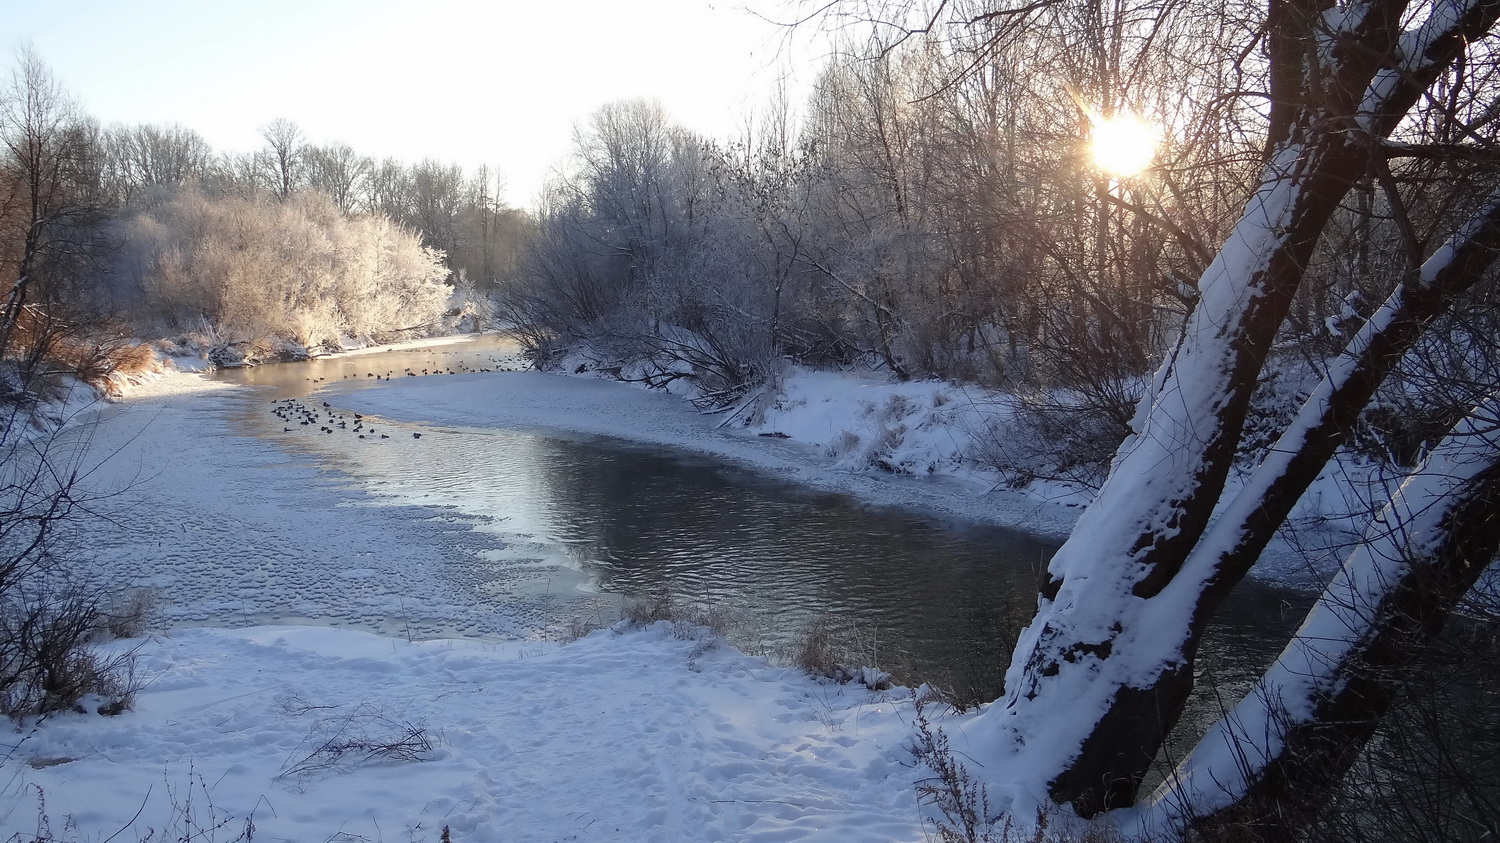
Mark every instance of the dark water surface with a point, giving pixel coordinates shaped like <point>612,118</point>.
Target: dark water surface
<point>931,600</point>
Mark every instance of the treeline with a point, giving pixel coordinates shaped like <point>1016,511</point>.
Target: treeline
<point>148,231</point>
<point>919,219</point>
<point>456,213</point>
<point>936,213</point>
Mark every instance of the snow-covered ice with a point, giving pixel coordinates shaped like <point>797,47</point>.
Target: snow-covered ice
<point>231,529</point>
<point>633,735</point>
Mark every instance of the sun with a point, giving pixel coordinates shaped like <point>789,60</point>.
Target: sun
<point>1122,145</point>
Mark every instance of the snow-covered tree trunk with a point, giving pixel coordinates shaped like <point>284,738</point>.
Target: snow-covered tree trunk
<point>1275,759</point>
<point>1104,669</point>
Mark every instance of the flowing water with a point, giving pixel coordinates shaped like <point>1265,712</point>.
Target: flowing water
<point>930,599</point>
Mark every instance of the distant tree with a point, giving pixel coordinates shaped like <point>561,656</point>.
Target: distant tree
<point>238,174</point>
<point>436,194</point>
<point>619,260</point>
<point>388,191</point>
<point>256,272</point>
<point>144,156</point>
<point>486,251</point>
<point>285,157</point>
<point>340,172</point>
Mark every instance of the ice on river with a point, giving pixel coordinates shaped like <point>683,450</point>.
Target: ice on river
<point>624,735</point>
<point>231,529</point>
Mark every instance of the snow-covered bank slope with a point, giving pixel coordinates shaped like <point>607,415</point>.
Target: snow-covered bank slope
<point>635,736</point>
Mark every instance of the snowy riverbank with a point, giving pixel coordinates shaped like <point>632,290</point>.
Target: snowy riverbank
<point>631,735</point>
<point>640,735</point>
<point>817,413</point>
<point>624,735</point>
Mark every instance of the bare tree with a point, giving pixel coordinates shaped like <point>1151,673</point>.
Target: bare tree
<point>45,181</point>
<point>437,192</point>
<point>138,157</point>
<point>285,156</point>
<point>340,172</point>
<point>486,223</point>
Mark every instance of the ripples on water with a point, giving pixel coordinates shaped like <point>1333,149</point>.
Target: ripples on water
<point>938,600</point>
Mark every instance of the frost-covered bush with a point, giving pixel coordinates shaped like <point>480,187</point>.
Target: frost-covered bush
<point>1058,435</point>
<point>299,271</point>
<point>843,445</point>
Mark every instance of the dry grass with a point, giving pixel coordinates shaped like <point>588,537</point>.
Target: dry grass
<point>133,358</point>
<point>598,614</point>
<point>814,651</point>
<point>841,654</point>
<point>91,353</point>
<point>963,803</point>
<point>131,613</point>
<point>688,621</point>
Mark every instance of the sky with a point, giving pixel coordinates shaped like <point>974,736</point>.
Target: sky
<point>494,82</point>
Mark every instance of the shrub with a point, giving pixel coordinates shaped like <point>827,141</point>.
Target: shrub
<point>47,625</point>
<point>297,271</point>
<point>1054,437</point>
<point>48,663</point>
<point>843,444</point>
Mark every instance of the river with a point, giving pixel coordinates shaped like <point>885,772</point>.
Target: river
<point>930,599</point>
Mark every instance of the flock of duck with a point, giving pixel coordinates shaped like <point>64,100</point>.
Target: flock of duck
<point>291,411</point>
<point>409,372</point>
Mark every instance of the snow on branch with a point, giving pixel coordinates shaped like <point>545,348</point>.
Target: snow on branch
<point>1419,544</point>
<point>1421,52</point>
<point>1243,528</point>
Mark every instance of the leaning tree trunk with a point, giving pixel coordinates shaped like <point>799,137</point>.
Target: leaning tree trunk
<point>1275,760</point>
<point>1104,669</point>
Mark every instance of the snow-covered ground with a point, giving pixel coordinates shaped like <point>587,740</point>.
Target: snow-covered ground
<point>636,735</point>
<point>623,735</point>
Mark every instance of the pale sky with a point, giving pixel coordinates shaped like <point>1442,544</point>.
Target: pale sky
<point>497,82</point>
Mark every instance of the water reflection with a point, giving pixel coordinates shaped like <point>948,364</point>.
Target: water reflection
<point>940,601</point>
<point>940,597</point>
